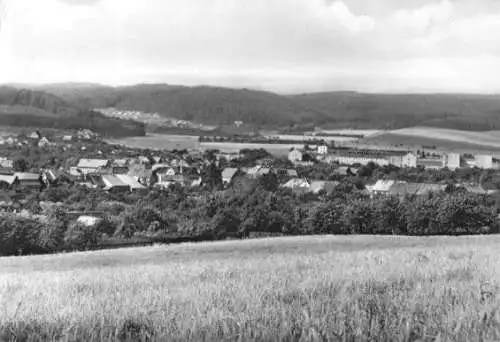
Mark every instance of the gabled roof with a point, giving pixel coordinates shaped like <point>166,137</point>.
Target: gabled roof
<point>433,162</point>
<point>419,189</point>
<point>263,171</point>
<point>475,189</point>
<point>26,176</point>
<point>92,163</point>
<point>9,179</point>
<point>228,173</point>
<point>342,170</point>
<point>295,183</point>
<point>382,185</point>
<point>130,181</point>
<point>139,171</point>
<point>160,166</point>
<point>120,162</point>
<point>328,186</point>
<point>111,181</point>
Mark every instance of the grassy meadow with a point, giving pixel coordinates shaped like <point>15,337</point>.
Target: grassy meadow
<point>443,139</point>
<point>289,289</point>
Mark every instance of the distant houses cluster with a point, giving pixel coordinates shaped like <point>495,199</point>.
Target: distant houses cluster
<point>402,159</point>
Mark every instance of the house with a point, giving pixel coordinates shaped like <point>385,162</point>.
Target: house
<point>120,162</point>
<point>452,161</point>
<point>44,142</point>
<point>474,189</point>
<point>161,168</point>
<point>381,187</point>
<point>414,189</point>
<point>119,170</point>
<point>228,156</point>
<point>323,149</point>
<point>228,174</point>
<point>114,184</point>
<point>7,181</point>
<point>67,138</point>
<point>6,163</point>
<point>363,157</point>
<point>298,185</point>
<point>483,161</point>
<point>254,172</point>
<point>88,221</point>
<point>344,171</point>
<point>295,155</point>
<point>35,135</point>
<point>266,162</point>
<point>133,184</point>
<point>403,160</point>
<point>164,181</point>
<point>86,166</point>
<point>28,180</point>
<point>431,163</point>
<point>327,186</point>
<point>140,174</point>
<point>491,188</point>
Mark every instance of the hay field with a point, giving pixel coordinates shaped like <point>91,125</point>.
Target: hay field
<point>489,138</point>
<point>275,149</point>
<point>288,289</point>
<point>443,139</point>
<point>159,141</point>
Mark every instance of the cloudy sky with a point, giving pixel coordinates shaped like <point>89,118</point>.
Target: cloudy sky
<point>280,45</point>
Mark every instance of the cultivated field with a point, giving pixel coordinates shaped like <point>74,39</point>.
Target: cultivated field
<point>159,141</point>
<point>274,149</point>
<point>289,289</point>
<point>443,139</point>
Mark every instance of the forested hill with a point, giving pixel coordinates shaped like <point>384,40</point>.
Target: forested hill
<point>393,111</point>
<point>29,108</point>
<point>217,106</point>
<point>203,104</point>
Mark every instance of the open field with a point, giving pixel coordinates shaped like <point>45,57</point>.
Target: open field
<point>300,288</point>
<point>443,139</point>
<point>179,142</point>
<point>275,149</point>
<point>159,141</point>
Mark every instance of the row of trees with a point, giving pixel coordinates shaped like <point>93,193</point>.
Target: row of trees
<point>257,209</point>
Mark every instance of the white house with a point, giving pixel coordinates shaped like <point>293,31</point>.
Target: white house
<point>322,149</point>
<point>295,155</point>
<point>381,186</point>
<point>86,166</point>
<point>452,161</point>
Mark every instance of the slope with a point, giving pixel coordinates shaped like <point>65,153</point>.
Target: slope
<point>203,104</point>
<point>394,111</point>
<point>29,108</point>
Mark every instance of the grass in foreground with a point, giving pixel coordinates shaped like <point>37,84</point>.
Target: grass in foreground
<point>290,289</point>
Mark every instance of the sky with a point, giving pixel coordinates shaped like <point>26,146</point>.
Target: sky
<point>286,46</point>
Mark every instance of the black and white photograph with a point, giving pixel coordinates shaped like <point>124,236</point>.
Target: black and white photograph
<point>249,170</point>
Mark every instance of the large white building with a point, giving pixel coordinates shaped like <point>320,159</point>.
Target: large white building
<point>484,161</point>
<point>381,158</point>
<point>295,155</point>
<point>452,161</point>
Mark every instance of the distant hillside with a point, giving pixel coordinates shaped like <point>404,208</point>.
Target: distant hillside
<point>381,111</point>
<point>29,108</point>
<point>223,106</point>
<point>207,105</point>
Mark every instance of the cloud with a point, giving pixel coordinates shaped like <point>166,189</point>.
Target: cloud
<point>424,17</point>
<point>283,44</point>
<point>80,2</point>
<point>349,20</point>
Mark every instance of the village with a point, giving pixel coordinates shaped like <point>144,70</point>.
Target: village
<point>114,173</point>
